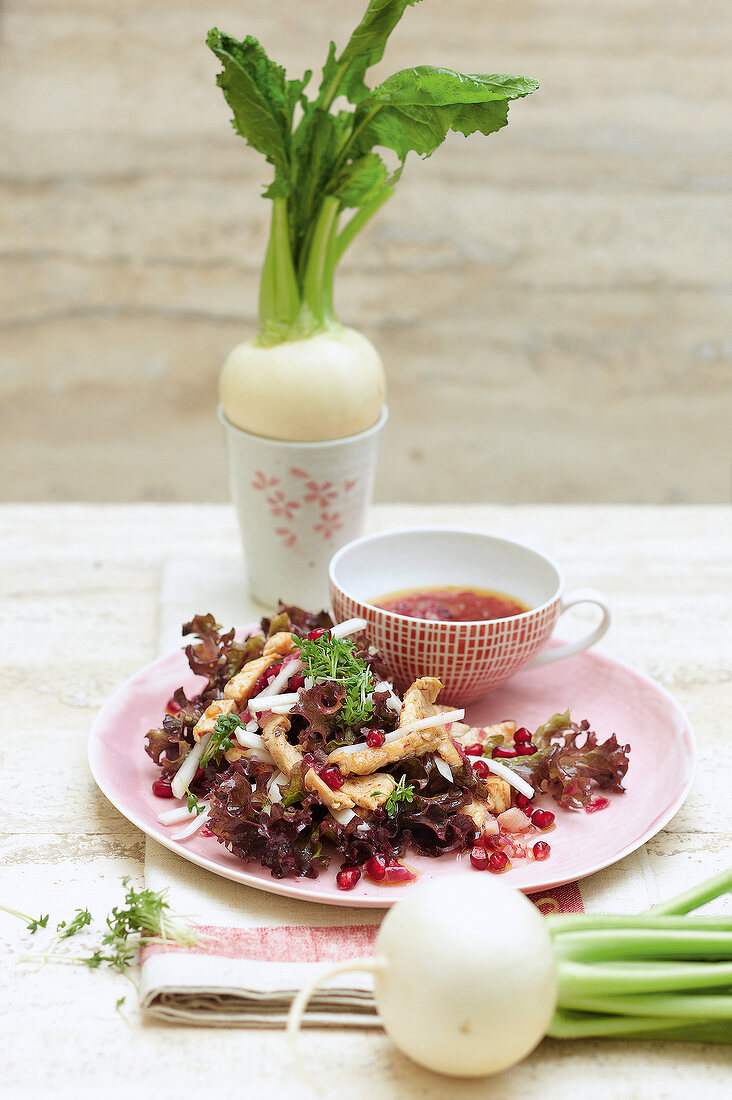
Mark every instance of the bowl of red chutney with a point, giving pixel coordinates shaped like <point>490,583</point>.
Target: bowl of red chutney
<point>470,607</point>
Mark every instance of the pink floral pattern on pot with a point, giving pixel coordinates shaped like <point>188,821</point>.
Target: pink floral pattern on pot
<point>320,499</point>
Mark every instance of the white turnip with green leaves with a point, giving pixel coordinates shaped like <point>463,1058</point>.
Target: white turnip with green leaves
<point>305,376</point>
<point>469,977</point>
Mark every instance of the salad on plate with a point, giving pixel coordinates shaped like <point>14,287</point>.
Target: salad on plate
<point>298,751</point>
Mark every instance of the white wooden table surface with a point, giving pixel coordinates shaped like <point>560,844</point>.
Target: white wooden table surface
<point>78,614</point>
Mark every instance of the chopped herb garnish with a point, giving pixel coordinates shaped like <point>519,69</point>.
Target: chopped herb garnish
<point>82,918</point>
<point>401,793</point>
<point>223,731</point>
<point>329,658</point>
<point>193,803</point>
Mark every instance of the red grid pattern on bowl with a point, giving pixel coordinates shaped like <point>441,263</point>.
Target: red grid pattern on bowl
<point>469,658</point>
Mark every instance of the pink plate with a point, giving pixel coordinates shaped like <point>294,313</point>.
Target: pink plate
<point>614,697</point>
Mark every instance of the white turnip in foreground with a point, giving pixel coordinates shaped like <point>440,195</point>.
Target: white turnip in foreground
<point>469,977</point>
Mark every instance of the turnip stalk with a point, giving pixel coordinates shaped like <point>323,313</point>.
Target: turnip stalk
<point>697,896</point>
<point>627,943</point>
<point>279,298</point>
<point>329,181</point>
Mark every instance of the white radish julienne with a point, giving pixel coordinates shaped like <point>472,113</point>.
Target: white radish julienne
<point>343,816</point>
<point>261,755</point>
<point>393,702</point>
<point>195,825</point>
<point>419,724</point>
<point>443,719</point>
<point>436,989</point>
<point>347,627</point>
<point>249,740</point>
<point>443,768</point>
<point>511,778</point>
<point>287,671</point>
<point>268,702</point>
<point>184,776</point>
<point>274,794</point>
<point>176,816</point>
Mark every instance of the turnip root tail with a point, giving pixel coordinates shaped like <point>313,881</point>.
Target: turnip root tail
<point>302,1000</point>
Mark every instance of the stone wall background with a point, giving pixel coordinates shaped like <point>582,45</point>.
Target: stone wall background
<point>552,303</point>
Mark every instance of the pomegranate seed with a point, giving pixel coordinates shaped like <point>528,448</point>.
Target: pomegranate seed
<point>505,754</point>
<point>479,858</point>
<point>498,861</point>
<point>543,819</point>
<point>522,801</point>
<point>162,788</point>
<point>313,637</point>
<point>376,868</point>
<point>259,685</point>
<point>172,707</point>
<point>541,850</point>
<point>296,681</point>
<point>525,749</point>
<point>347,877</point>
<point>493,842</point>
<point>481,769</point>
<point>474,750</point>
<point>375,739</point>
<point>396,873</point>
<point>205,831</point>
<point>272,671</point>
<point>332,777</point>
<point>521,734</point>
<point>597,804</point>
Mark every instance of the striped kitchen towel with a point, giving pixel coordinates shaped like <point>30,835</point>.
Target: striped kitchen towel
<point>258,949</point>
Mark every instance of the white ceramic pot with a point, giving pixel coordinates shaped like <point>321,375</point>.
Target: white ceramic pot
<point>297,503</point>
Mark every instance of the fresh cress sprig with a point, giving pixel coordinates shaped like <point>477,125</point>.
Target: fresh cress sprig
<point>145,917</point>
<point>32,923</point>
<point>220,742</point>
<point>325,163</point>
<point>194,806</point>
<point>401,793</point>
<point>69,928</point>
<point>329,658</point>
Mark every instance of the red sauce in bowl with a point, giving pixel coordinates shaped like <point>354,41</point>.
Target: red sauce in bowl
<point>451,604</point>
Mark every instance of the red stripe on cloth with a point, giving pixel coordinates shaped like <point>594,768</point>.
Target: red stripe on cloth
<point>562,899</point>
<point>294,943</point>
<point>287,943</point>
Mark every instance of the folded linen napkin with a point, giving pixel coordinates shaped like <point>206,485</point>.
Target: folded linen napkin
<point>258,949</point>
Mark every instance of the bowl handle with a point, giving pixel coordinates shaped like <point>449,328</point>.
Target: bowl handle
<point>580,595</point>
